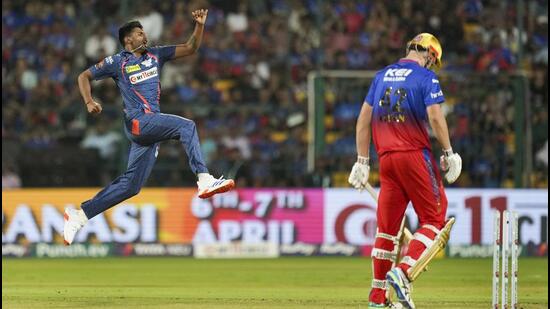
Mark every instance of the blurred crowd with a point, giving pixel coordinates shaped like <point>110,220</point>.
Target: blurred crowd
<point>246,88</point>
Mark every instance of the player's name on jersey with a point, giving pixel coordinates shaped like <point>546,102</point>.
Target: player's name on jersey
<point>395,117</point>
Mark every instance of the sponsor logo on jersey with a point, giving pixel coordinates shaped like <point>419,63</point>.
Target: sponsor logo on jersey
<point>143,76</point>
<point>436,94</point>
<point>132,68</point>
<point>435,81</point>
<point>397,75</point>
<point>109,60</point>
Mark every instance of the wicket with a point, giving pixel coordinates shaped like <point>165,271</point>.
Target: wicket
<point>503,248</point>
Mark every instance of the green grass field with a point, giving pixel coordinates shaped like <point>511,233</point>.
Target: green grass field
<point>272,283</point>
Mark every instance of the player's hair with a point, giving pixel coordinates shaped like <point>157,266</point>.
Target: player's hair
<point>126,29</point>
<point>430,60</point>
<point>416,47</point>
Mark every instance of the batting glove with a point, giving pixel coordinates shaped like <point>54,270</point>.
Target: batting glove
<point>360,173</point>
<point>451,164</point>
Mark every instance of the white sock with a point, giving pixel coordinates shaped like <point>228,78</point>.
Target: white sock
<point>82,215</point>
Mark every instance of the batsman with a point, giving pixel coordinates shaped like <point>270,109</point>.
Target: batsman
<point>402,100</point>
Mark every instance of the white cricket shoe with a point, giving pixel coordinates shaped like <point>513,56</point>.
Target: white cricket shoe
<point>209,186</point>
<point>402,287</point>
<point>74,221</point>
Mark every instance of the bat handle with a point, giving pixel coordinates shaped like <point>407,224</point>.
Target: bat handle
<point>371,191</point>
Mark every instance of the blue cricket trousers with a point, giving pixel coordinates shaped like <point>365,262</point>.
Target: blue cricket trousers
<point>145,132</point>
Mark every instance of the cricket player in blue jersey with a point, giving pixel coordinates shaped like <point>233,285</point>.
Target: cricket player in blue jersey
<point>136,72</point>
<point>403,99</point>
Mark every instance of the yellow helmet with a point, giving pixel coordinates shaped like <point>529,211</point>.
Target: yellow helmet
<point>431,44</point>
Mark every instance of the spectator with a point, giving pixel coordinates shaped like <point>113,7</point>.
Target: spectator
<point>99,44</point>
<point>236,140</point>
<point>102,139</point>
<point>542,155</point>
<point>238,21</point>
<point>151,20</point>
<point>10,179</point>
<point>26,75</point>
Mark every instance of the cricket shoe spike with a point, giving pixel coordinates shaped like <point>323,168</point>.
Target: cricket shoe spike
<point>210,186</point>
<point>402,287</point>
<point>385,306</point>
<point>74,221</point>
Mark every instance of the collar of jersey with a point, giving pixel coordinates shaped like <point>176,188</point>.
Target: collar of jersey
<point>408,60</point>
<point>125,52</point>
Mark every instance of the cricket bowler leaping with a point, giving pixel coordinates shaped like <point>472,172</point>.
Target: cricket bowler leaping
<point>136,71</point>
<point>403,98</point>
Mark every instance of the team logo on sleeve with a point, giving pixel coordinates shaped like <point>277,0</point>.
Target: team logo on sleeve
<point>99,65</point>
<point>435,95</point>
<point>143,76</point>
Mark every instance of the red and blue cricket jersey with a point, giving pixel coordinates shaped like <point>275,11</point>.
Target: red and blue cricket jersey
<point>399,95</point>
<point>138,78</point>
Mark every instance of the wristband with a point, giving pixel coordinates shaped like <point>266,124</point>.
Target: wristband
<point>362,160</point>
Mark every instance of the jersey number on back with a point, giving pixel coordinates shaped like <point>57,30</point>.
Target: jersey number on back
<point>395,113</point>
